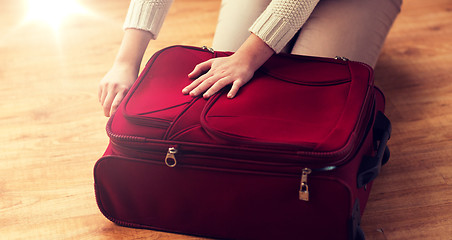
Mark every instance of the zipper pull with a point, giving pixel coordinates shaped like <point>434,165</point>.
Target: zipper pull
<point>170,159</point>
<point>341,58</point>
<point>208,49</point>
<point>304,189</point>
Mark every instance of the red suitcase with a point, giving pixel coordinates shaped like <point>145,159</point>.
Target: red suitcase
<point>292,156</point>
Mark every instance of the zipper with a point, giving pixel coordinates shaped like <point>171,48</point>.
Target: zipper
<point>170,159</point>
<point>122,137</point>
<point>292,154</point>
<point>303,193</point>
<point>304,188</point>
<point>341,58</point>
<point>208,49</point>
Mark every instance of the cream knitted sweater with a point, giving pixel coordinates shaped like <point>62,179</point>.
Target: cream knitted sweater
<point>275,26</point>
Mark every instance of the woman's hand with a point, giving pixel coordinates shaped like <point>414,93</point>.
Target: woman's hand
<point>114,86</point>
<point>219,72</point>
<point>237,69</point>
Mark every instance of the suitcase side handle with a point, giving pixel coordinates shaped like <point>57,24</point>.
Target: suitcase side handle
<point>371,165</point>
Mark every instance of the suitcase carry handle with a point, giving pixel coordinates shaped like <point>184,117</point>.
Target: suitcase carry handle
<point>371,165</point>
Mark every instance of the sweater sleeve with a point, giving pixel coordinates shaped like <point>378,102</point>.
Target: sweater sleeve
<point>147,15</point>
<point>281,20</point>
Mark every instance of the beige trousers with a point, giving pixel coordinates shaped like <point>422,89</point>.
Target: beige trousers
<point>355,29</point>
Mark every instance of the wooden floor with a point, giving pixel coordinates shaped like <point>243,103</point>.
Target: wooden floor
<point>52,127</point>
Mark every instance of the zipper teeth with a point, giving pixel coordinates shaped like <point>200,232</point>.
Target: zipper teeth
<point>188,154</point>
<point>215,148</point>
<point>125,138</point>
<point>122,137</point>
<point>261,163</point>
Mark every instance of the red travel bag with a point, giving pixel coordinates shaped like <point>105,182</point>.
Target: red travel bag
<point>292,156</point>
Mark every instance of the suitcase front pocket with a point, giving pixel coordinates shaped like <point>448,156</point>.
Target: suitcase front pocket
<point>273,112</point>
<point>217,203</point>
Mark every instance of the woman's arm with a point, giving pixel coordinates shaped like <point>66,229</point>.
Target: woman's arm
<point>143,22</point>
<point>236,69</point>
<point>115,84</point>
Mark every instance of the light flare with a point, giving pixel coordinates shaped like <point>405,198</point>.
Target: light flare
<point>52,12</point>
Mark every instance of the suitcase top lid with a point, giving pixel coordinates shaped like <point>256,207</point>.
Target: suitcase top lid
<point>294,102</point>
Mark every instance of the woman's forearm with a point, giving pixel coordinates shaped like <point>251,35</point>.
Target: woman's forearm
<point>254,52</point>
<point>133,46</point>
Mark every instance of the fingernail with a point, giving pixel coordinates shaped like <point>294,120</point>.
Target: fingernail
<point>230,95</point>
<point>192,93</point>
<point>184,91</point>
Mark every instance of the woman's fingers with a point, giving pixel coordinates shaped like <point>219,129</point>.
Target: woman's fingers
<point>99,93</point>
<point>217,86</point>
<point>198,72</point>
<point>236,85</point>
<point>213,84</point>
<point>190,89</point>
<point>201,68</point>
<point>102,93</point>
<point>117,100</point>
<point>114,86</point>
<point>106,105</point>
<point>220,73</point>
<point>111,96</point>
<point>205,84</point>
